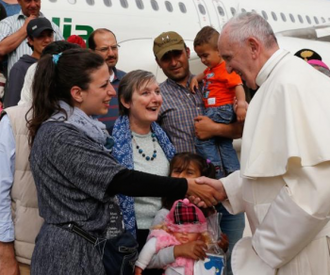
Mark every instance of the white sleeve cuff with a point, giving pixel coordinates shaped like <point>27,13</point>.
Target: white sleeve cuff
<point>233,187</point>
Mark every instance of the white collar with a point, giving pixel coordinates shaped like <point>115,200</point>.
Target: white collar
<point>270,64</point>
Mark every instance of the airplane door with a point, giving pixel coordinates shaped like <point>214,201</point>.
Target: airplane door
<point>222,15</point>
<point>203,14</point>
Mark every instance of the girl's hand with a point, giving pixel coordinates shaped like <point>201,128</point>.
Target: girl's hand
<point>195,250</point>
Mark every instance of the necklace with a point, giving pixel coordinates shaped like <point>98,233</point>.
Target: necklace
<point>140,150</point>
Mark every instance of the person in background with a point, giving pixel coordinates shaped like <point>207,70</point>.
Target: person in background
<point>283,184</point>
<point>141,144</point>
<point>77,178</point>
<point>13,33</point>
<point>76,39</point>
<point>185,226</point>
<point>182,111</point>
<point>184,165</point>
<point>11,6</point>
<point>320,66</point>
<point>19,215</point>
<point>219,92</point>
<point>308,54</point>
<point>40,34</point>
<point>104,42</point>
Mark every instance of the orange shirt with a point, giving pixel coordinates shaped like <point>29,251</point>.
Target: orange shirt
<point>219,86</point>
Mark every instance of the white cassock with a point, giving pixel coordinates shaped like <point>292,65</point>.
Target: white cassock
<point>284,182</point>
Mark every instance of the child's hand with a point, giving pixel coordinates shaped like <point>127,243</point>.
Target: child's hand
<point>240,113</point>
<point>138,270</point>
<point>223,243</point>
<point>193,84</point>
<point>240,108</point>
<point>195,250</point>
<point>208,211</point>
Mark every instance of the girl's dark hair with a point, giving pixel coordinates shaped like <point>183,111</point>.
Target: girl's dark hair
<point>182,161</point>
<point>53,82</point>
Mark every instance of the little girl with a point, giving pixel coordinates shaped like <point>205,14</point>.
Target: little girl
<point>180,227</point>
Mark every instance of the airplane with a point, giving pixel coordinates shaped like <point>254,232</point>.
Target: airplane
<point>297,24</point>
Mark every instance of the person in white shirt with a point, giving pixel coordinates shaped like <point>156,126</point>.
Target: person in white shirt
<point>283,184</point>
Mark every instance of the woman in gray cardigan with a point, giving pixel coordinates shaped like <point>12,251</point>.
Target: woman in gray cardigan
<point>75,175</point>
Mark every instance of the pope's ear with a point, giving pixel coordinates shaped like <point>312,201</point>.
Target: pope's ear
<point>77,94</point>
<point>254,46</point>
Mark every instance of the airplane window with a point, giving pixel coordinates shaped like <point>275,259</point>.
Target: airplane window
<point>264,14</point>
<point>107,3</point>
<point>292,17</point>
<point>201,9</point>
<point>300,18</point>
<point>316,20</point>
<point>72,2</point>
<point>308,19</point>
<point>53,1</point>
<point>182,7</point>
<point>283,16</point>
<point>90,2</point>
<point>169,6</point>
<point>221,11</point>
<point>233,10</point>
<point>154,5</point>
<point>322,19</point>
<point>139,4</point>
<point>243,10</point>
<point>124,3</point>
<point>274,16</point>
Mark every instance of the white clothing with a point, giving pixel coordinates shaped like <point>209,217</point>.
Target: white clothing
<point>26,93</point>
<point>283,183</point>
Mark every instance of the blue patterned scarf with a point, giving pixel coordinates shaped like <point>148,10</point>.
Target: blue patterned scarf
<point>123,152</point>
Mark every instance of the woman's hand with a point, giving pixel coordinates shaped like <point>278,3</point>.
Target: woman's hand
<point>195,250</point>
<point>206,190</point>
<point>216,184</point>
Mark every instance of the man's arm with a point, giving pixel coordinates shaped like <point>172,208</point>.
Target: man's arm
<point>12,41</point>
<point>8,262</point>
<point>206,128</point>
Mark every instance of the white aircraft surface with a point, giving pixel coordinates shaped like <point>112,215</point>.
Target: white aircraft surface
<point>297,23</point>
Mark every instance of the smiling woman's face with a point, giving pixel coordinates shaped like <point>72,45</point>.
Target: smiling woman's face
<point>145,105</point>
<point>96,99</point>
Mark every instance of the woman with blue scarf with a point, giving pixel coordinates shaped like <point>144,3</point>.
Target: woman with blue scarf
<point>140,144</point>
<point>76,177</point>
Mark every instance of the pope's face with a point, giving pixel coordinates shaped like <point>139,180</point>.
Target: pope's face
<point>239,58</point>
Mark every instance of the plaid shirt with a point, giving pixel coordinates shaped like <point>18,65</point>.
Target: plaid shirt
<point>177,114</point>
